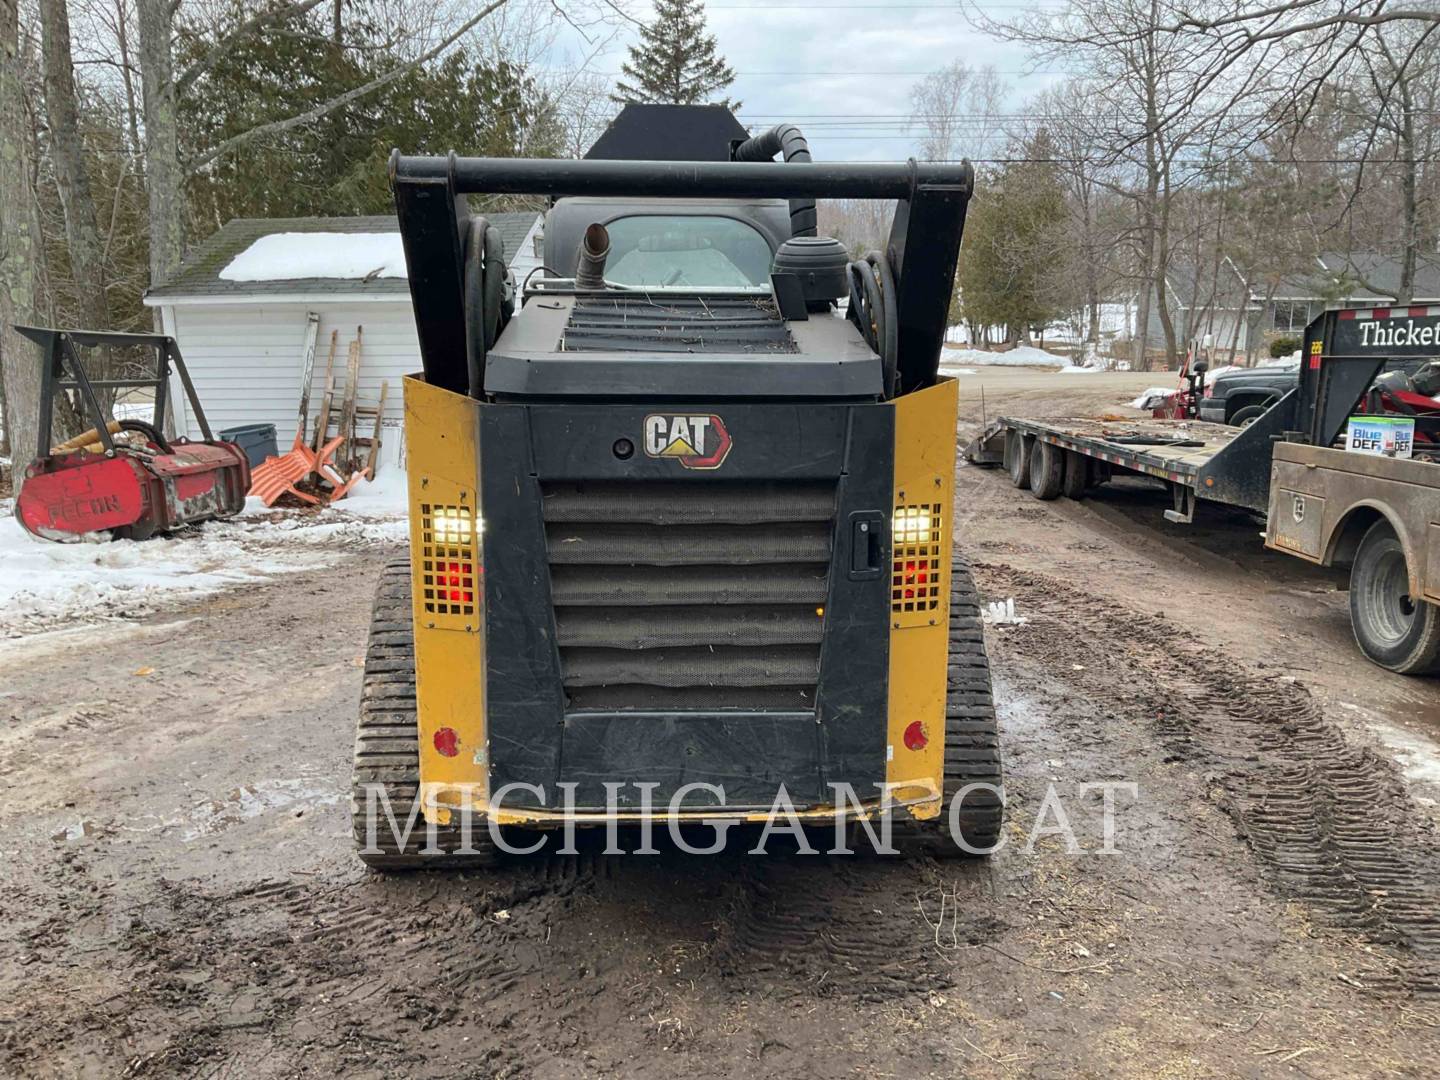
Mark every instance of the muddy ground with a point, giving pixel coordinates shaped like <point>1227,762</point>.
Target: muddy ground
<point>180,899</point>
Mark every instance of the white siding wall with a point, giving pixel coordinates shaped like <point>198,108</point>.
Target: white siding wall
<point>246,360</point>
<point>525,260</point>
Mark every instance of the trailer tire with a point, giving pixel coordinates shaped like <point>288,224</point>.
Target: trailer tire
<point>1077,471</point>
<point>387,748</point>
<point>1393,629</point>
<point>1017,458</point>
<point>1047,470</point>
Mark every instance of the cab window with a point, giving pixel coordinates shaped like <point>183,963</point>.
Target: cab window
<point>677,251</point>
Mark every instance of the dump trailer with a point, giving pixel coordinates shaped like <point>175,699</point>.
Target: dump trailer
<point>681,533</point>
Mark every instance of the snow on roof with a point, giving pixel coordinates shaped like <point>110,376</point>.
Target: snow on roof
<point>292,256</point>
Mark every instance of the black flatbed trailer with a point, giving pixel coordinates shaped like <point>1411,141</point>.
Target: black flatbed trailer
<point>1196,459</point>
<point>1344,350</point>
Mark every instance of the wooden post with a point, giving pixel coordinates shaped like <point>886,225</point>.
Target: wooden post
<point>307,373</point>
<point>374,453</point>
<point>347,409</point>
<point>322,419</point>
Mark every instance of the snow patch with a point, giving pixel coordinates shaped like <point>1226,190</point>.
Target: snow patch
<point>47,586</point>
<point>1153,398</point>
<point>289,256</point>
<point>1075,369</point>
<point>1021,356</point>
<point>1002,613</point>
<point>1289,362</point>
<point>1417,756</point>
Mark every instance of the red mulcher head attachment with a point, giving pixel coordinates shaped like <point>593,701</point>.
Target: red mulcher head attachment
<point>132,489</point>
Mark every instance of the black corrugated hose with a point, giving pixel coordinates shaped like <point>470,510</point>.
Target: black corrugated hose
<point>872,309</point>
<point>783,139</point>
<point>486,309</point>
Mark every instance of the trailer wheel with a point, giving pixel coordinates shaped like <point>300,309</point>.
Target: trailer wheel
<point>1077,471</point>
<point>1017,458</point>
<point>1047,469</point>
<point>1394,629</point>
<point>387,751</point>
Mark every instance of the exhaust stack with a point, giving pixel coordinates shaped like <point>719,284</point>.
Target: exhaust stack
<point>590,265</point>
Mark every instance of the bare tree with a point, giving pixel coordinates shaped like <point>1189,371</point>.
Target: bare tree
<point>19,244</point>
<point>1157,101</point>
<point>165,171</point>
<point>957,111</point>
<point>72,176</point>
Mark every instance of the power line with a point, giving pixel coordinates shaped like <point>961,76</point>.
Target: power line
<point>818,74</point>
<point>953,9</point>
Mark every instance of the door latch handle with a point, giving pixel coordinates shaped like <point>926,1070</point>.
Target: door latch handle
<point>867,544</point>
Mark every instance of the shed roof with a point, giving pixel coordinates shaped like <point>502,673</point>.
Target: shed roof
<point>199,274</point>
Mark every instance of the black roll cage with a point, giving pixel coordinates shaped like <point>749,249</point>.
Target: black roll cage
<point>923,247</point>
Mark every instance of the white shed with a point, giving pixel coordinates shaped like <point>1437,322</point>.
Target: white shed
<point>240,304</point>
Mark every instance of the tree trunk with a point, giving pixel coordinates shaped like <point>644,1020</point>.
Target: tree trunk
<point>1410,203</point>
<point>19,248</point>
<point>1162,268</point>
<point>1147,280</point>
<point>163,179</point>
<point>72,177</point>
<point>132,110</point>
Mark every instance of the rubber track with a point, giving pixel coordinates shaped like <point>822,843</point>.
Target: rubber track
<point>1331,821</point>
<point>386,740</point>
<point>972,735</point>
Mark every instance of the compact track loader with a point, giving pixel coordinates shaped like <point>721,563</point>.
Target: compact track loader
<point>681,532</point>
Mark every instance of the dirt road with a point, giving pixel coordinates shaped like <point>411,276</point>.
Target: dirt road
<point>180,898</point>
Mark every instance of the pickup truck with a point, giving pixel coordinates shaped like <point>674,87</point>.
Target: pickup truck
<point>1380,516</point>
<point>1239,397</point>
<point>1375,513</point>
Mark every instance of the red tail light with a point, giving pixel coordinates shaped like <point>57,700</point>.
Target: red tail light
<point>455,577</point>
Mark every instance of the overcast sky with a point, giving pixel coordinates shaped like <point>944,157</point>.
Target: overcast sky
<point>853,63</point>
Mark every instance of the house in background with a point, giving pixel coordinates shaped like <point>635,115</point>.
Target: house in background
<point>1246,315</point>
<point>240,303</point>
<point>1351,279</point>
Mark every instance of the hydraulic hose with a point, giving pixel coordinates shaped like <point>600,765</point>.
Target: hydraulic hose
<point>783,139</point>
<point>873,310</point>
<point>484,282</point>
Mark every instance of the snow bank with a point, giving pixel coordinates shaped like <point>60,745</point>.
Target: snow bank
<point>287,256</point>
<point>45,585</point>
<point>1022,356</point>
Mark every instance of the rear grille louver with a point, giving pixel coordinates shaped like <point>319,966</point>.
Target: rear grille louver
<point>689,596</point>
<point>676,324</point>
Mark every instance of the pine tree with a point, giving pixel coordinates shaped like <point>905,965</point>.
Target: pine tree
<point>675,62</point>
<point>1012,273</point>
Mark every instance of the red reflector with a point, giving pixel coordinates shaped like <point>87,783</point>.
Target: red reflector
<point>455,577</point>
<point>915,737</point>
<point>447,742</point>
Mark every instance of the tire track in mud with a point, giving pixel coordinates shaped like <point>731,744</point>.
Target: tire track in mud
<point>1331,821</point>
<point>840,927</point>
<point>394,957</point>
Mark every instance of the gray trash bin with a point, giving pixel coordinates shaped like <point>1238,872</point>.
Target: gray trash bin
<point>257,440</point>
